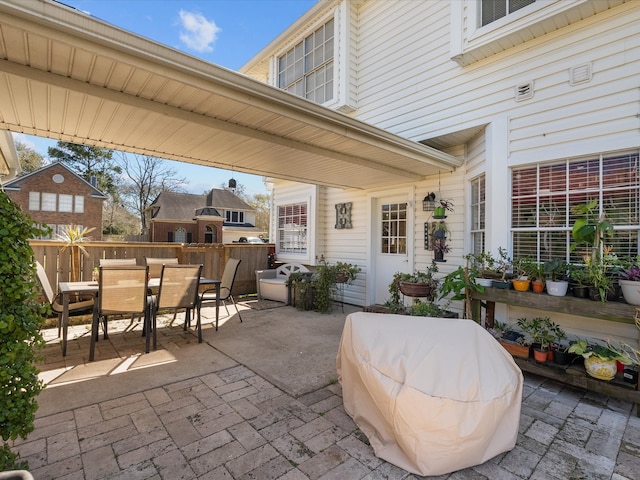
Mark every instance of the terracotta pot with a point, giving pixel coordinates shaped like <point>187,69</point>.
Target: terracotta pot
<point>540,356</point>
<point>538,286</point>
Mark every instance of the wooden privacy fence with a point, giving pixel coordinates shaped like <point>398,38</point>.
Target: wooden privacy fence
<point>56,259</point>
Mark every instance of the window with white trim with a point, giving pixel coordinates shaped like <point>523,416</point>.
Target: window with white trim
<point>234,217</point>
<point>34,200</point>
<point>65,203</point>
<point>48,202</point>
<point>307,70</point>
<point>544,194</point>
<point>292,228</point>
<point>79,204</point>
<point>478,208</point>
<point>492,10</point>
<point>180,235</point>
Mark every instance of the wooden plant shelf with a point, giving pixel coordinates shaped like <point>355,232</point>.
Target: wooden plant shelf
<point>610,311</point>
<point>576,376</point>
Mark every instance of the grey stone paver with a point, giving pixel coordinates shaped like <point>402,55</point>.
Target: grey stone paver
<point>235,425</point>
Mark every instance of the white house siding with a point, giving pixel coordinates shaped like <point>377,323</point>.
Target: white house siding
<point>408,84</point>
<point>347,244</point>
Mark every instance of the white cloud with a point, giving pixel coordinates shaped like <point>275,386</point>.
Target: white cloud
<point>198,33</point>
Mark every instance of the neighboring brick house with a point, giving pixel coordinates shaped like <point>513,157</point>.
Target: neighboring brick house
<point>217,217</point>
<point>57,196</point>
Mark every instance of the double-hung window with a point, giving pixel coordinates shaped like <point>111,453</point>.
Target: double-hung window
<point>292,228</point>
<point>307,69</point>
<point>477,204</point>
<point>543,196</point>
<point>492,10</point>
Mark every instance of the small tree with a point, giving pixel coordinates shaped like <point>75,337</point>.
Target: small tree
<point>21,317</point>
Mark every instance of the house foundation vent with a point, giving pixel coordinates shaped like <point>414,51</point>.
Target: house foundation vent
<point>580,74</point>
<point>523,91</point>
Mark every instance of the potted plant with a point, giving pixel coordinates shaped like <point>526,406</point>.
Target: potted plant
<point>556,270</point>
<point>417,284</point>
<point>601,270</point>
<point>440,247</point>
<point>441,210</point>
<point>524,270</point>
<point>462,282</point>
<point>630,283</point>
<point>579,281</point>
<point>345,272</point>
<point>543,332</point>
<point>590,228</point>
<point>515,342</point>
<point>484,264</point>
<point>600,361</point>
<point>504,265</point>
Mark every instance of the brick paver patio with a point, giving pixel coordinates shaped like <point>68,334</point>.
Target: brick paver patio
<point>234,424</point>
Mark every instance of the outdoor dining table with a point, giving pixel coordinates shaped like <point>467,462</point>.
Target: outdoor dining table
<point>70,288</point>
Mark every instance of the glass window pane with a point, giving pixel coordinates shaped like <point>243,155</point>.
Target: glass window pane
<point>49,202</point>
<point>79,204</point>
<point>34,200</point>
<point>65,203</point>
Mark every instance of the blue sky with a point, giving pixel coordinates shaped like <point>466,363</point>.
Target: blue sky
<point>225,32</point>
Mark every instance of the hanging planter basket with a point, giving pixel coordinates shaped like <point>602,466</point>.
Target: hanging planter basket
<point>409,289</point>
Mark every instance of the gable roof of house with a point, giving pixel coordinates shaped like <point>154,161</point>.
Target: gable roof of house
<point>17,183</point>
<point>182,206</point>
<point>121,91</point>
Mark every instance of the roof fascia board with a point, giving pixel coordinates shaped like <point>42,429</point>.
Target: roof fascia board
<point>217,79</point>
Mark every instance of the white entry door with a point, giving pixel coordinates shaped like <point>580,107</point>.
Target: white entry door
<point>390,234</point>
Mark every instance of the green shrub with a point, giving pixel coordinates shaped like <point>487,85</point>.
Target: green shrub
<point>21,317</point>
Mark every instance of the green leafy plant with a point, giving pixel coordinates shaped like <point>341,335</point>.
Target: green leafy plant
<point>555,269</point>
<point>590,228</point>
<point>461,283</point>
<point>426,277</point>
<point>542,330</point>
<point>317,290</point>
<point>21,317</point>
<point>603,352</point>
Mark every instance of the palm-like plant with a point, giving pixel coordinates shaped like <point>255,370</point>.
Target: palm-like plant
<point>73,236</point>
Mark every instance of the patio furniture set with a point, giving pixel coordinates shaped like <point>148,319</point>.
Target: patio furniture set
<point>125,288</point>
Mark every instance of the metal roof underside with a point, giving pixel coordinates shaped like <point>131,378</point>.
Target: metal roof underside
<point>68,76</point>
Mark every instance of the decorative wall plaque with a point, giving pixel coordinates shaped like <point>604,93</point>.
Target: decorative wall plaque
<point>343,215</point>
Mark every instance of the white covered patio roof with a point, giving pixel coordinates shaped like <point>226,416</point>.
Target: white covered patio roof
<point>68,76</point>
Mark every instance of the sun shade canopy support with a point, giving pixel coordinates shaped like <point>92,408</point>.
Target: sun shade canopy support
<point>68,76</point>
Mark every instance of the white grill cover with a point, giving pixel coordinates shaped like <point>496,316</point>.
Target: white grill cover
<point>433,395</point>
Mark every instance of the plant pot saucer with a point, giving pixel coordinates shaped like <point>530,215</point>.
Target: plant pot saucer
<point>439,217</point>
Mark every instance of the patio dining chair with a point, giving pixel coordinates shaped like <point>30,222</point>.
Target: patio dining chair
<point>155,265</point>
<point>226,286</point>
<point>79,307</point>
<point>178,290</point>
<point>121,290</point>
